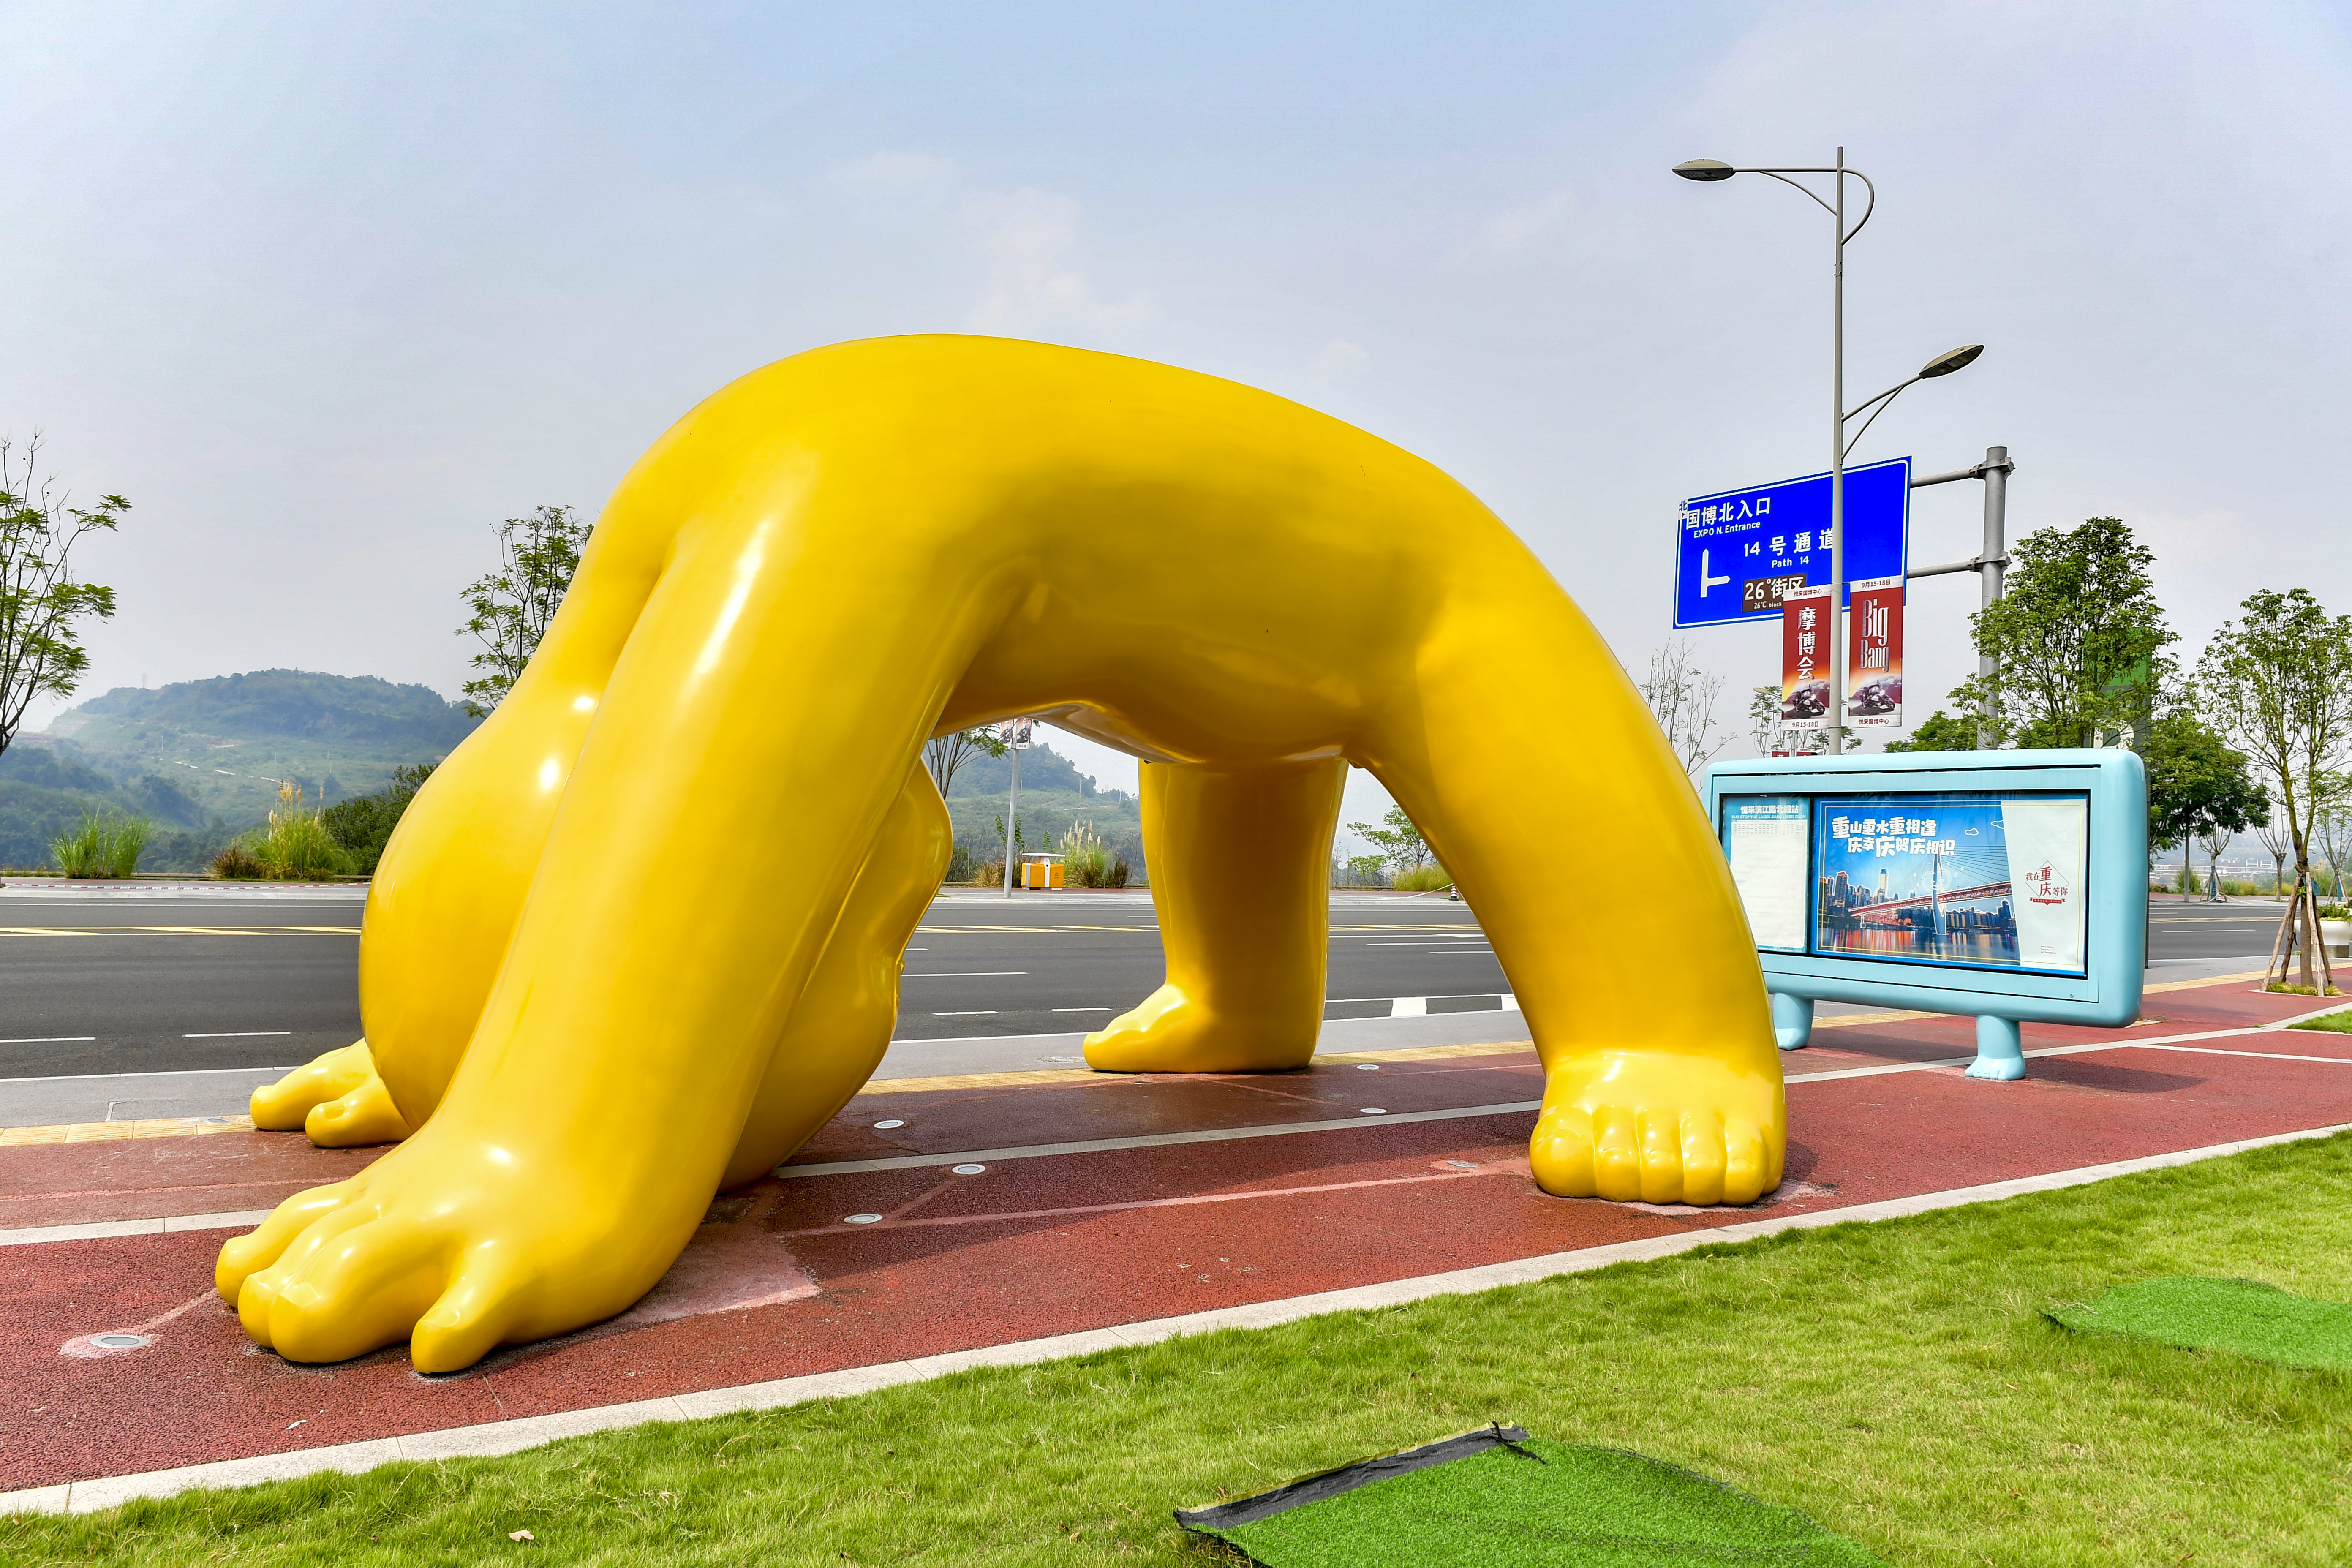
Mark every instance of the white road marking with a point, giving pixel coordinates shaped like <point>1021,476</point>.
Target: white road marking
<point>495,1437</point>
<point>240,1035</point>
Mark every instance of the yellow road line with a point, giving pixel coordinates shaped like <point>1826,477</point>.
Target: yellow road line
<point>1041,927</point>
<point>120,1132</point>
<point>969,1081</point>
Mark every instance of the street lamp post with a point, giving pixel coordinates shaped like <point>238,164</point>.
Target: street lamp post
<point>1709,171</point>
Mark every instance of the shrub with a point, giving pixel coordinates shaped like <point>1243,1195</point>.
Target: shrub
<point>1422,879</point>
<point>361,826</point>
<point>1088,861</point>
<point>989,873</point>
<point>297,845</point>
<point>104,844</point>
<point>237,864</point>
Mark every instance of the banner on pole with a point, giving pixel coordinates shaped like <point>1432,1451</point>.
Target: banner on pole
<point>1873,678</point>
<point>1807,638</point>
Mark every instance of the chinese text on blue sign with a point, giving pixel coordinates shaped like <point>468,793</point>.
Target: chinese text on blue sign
<point>1740,552</point>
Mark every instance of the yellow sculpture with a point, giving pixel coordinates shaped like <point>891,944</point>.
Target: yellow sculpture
<point>640,935</point>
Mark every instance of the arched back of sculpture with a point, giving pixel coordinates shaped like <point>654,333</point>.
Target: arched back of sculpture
<point>590,1022</point>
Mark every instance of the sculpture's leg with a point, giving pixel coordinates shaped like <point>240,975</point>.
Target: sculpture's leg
<point>707,843</point>
<point>1241,878</point>
<point>450,887</point>
<point>837,1033</point>
<point>1543,785</point>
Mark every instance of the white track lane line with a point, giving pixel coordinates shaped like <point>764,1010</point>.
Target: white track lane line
<point>490,1438</point>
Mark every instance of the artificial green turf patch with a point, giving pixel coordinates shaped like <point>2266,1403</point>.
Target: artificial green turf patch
<point>2244,1317</point>
<point>1530,1502</point>
<point>2333,1023</point>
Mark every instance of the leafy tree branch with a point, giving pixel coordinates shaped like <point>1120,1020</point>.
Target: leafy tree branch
<point>512,606</point>
<point>41,603</point>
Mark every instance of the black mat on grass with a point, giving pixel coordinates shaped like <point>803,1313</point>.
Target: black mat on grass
<point>1497,1497</point>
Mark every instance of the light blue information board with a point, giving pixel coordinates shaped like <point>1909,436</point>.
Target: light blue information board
<point>2008,885</point>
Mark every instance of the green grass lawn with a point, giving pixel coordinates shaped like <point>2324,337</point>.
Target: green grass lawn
<point>2333,1023</point>
<point>1897,1382</point>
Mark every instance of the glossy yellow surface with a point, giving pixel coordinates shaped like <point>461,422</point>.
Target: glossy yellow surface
<point>639,935</point>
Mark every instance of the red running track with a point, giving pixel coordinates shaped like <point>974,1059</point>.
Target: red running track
<point>778,1285</point>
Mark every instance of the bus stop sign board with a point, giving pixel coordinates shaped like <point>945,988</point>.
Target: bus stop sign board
<point>1736,552</point>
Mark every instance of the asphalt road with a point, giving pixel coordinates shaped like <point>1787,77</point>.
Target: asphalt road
<point>150,982</point>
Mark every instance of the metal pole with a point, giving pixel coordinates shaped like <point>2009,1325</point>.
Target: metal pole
<point>1837,476</point>
<point>1013,815</point>
<point>1996,526</point>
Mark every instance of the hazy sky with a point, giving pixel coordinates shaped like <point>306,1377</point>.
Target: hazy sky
<point>327,290</point>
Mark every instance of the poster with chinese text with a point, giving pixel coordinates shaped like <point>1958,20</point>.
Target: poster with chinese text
<point>1951,878</point>
<point>1807,636</point>
<point>1873,678</point>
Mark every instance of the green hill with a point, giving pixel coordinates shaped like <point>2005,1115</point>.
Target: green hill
<point>232,739</point>
<point>204,758</point>
<point>1053,794</point>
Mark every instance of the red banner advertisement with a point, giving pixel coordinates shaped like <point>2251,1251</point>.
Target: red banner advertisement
<point>1873,671</point>
<point>1808,634</point>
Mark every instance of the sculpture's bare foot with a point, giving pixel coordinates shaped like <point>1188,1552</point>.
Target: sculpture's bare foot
<point>337,1099</point>
<point>1658,1126</point>
<point>1170,1032</point>
<point>365,1115</point>
<point>457,1243</point>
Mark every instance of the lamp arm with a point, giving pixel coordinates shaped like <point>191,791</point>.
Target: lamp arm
<point>1885,400</point>
<point>1871,207</point>
<point>1775,173</point>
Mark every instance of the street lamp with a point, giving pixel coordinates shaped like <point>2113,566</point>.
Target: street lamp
<point>1711,171</point>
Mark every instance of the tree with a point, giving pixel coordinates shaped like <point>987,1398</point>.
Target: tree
<point>1400,843</point>
<point>40,649</point>
<point>2078,636</point>
<point>1763,717</point>
<point>943,754</point>
<point>2196,784</point>
<point>1940,731</point>
<point>1682,698</point>
<point>2278,681</point>
<point>511,606</point>
<point>2333,823</point>
<point>2273,835</point>
<point>2215,840</point>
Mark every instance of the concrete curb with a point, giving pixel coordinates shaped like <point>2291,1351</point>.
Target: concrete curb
<point>492,1438</point>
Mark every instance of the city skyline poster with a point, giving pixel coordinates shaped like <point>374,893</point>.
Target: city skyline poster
<point>1945,879</point>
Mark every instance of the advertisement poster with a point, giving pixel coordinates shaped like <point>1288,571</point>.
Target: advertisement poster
<point>1764,838</point>
<point>1969,880</point>
<point>2046,852</point>
<point>1873,678</point>
<point>1807,636</point>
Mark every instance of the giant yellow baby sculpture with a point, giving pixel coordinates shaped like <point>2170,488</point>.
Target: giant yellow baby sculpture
<point>640,935</point>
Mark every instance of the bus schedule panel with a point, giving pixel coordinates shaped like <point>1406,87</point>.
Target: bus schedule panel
<point>1997,883</point>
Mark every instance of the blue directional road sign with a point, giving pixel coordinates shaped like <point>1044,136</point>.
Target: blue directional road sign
<point>1736,552</point>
